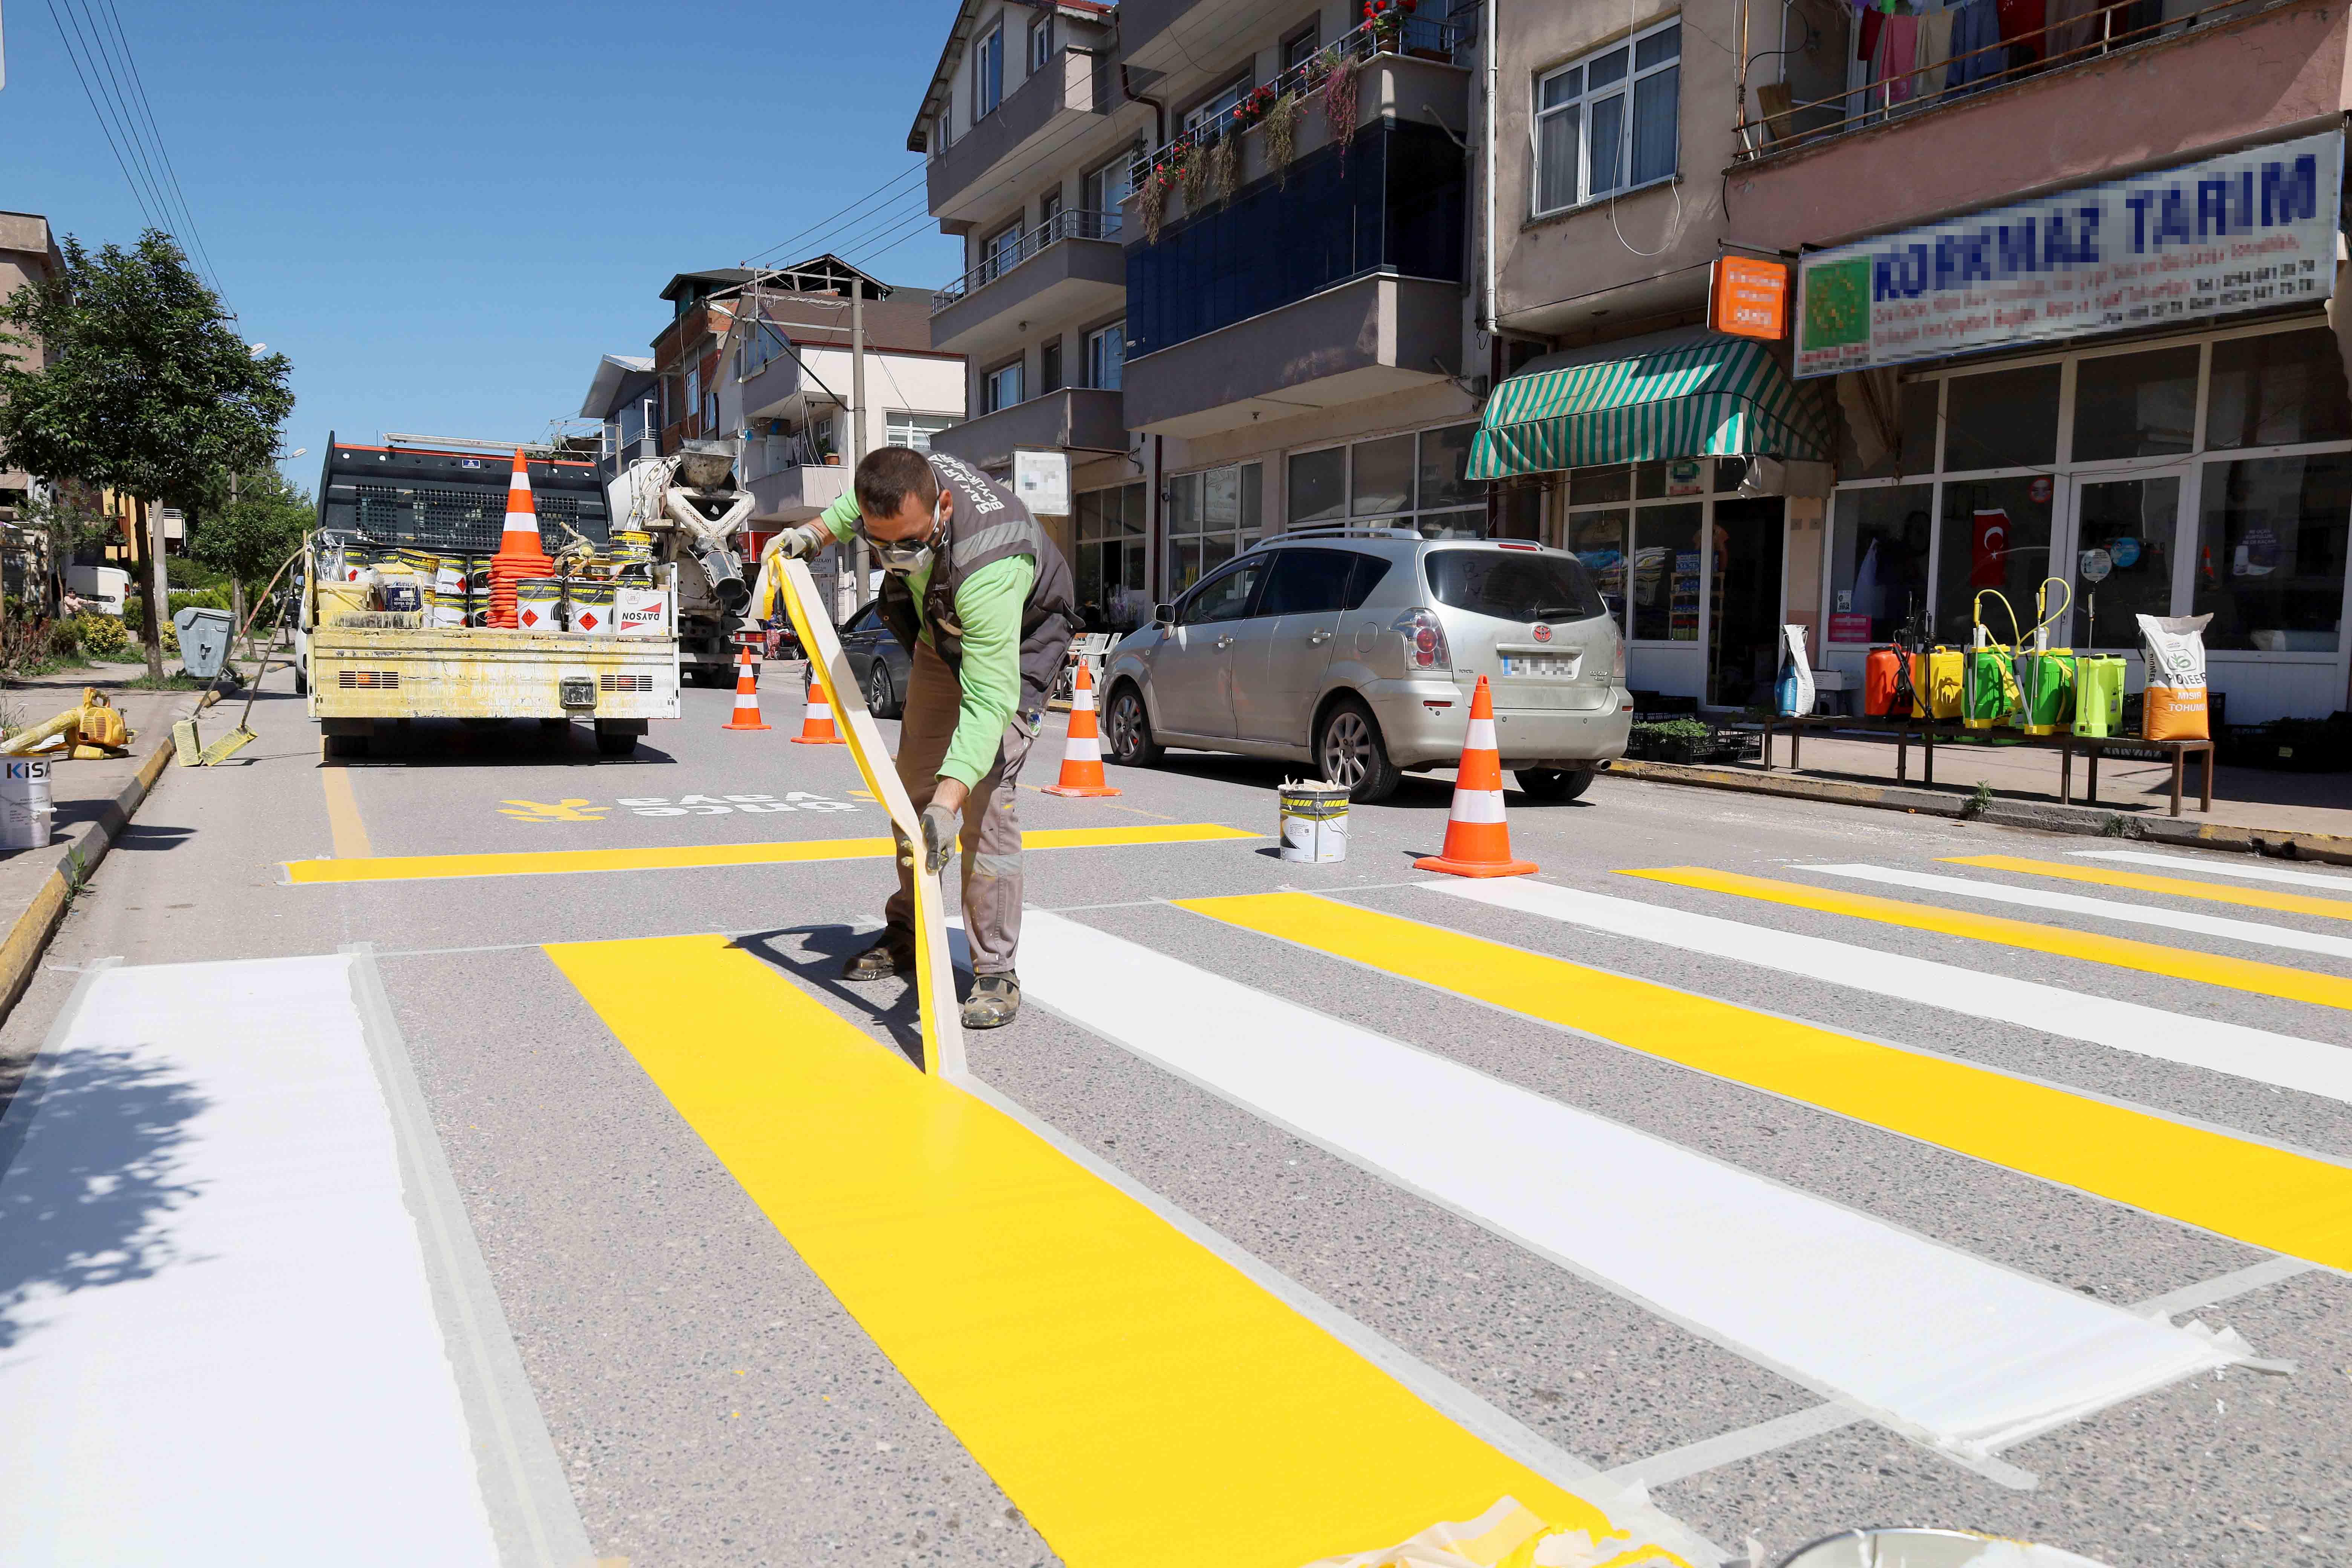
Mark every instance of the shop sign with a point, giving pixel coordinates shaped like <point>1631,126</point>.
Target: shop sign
<point>1749,299</point>
<point>2181,246</point>
<point>1685,477</point>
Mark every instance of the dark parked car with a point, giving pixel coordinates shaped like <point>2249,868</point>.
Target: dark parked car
<point>875,656</point>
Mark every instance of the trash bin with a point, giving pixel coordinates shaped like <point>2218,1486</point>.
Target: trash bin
<point>203,639</point>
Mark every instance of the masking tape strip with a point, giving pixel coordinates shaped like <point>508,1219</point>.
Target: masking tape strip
<point>942,1028</point>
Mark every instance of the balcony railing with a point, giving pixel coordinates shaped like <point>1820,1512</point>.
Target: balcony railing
<point>1426,37</point>
<point>1003,259</point>
<point>2099,31</point>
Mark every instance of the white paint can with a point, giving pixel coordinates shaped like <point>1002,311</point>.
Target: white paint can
<point>25,806</point>
<point>1314,821</point>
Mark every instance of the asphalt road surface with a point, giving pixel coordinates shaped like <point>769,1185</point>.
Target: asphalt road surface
<point>1753,1157</point>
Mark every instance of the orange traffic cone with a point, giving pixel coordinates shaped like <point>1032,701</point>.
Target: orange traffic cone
<point>747,696</point>
<point>816,720</point>
<point>1082,769</point>
<point>1477,844</point>
<point>521,552</point>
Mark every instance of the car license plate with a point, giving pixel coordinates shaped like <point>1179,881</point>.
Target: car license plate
<point>1539,668</point>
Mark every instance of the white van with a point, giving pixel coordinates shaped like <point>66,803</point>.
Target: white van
<point>106,587</point>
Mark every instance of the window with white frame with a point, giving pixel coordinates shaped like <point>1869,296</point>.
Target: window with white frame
<point>1001,387</point>
<point>1216,103</point>
<point>1001,252</point>
<point>916,430</point>
<point>1106,187</point>
<point>1415,480</point>
<point>1608,123</point>
<point>987,74</point>
<point>1106,356</point>
<point>1111,543</point>
<point>1636,528</point>
<point>1041,42</point>
<point>694,389</point>
<point>1212,516</point>
<point>945,138</point>
<point>763,343</point>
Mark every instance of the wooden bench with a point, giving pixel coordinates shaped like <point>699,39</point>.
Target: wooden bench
<point>1928,732</point>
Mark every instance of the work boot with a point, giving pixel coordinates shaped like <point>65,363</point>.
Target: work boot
<point>996,999</point>
<point>892,954</point>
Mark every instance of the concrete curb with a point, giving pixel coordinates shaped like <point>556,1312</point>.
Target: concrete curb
<point>2051,818</point>
<point>28,937</point>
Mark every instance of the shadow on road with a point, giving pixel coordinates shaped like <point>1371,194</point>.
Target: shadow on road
<point>82,1204</point>
<point>815,959</point>
<point>501,744</point>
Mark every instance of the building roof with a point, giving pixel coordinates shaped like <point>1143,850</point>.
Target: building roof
<point>618,378</point>
<point>952,54</point>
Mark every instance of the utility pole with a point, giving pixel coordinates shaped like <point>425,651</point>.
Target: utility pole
<point>858,415</point>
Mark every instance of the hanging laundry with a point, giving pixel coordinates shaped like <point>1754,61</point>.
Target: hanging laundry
<point>1865,37</point>
<point>2021,28</point>
<point>1976,53</point>
<point>1934,51</point>
<point>2070,25</point>
<point>1898,51</point>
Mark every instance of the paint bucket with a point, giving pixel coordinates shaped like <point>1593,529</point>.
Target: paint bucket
<point>590,609</point>
<point>448,607</point>
<point>539,604</point>
<point>397,590</point>
<point>337,600</point>
<point>422,565</point>
<point>354,562</point>
<point>1314,821</point>
<point>640,612</point>
<point>2099,694</point>
<point>25,809</point>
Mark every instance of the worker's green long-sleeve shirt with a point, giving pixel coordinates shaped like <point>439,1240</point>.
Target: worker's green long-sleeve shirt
<point>989,605</point>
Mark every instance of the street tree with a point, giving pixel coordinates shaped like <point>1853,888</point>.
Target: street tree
<point>248,532</point>
<point>147,390</point>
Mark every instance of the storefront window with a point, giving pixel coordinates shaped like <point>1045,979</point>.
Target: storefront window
<point>2131,525</point>
<point>1110,527</point>
<point>2277,390</point>
<point>2135,405</point>
<point>1914,448</point>
<point>2269,552</point>
<point>1589,486</point>
<point>1878,561</point>
<point>1318,486</point>
<point>1996,536</point>
<point>1445,463</point>
<point>1682,477</point>
<point>1665,588</point>
<point>1382,477</point>
<point>1211,517</point>
<point>2002,419</point>
<point>1415,480</point>
<point>1597,539</point>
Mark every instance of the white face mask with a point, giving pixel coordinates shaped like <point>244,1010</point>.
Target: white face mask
<point>904,558</point>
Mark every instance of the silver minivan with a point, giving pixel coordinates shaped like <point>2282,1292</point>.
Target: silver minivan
<point>1356,651</point>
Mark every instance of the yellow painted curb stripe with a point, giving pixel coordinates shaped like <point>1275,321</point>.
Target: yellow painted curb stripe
<point>2265,1196</point>
<point>689,856</point>
<point>1140,1400</point>
<point>2148,957</point>
<point>2175,886</point>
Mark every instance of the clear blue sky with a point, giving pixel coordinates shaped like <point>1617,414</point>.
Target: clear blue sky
<point>445,214</point>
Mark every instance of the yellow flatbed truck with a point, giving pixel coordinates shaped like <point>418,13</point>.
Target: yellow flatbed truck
<point>453,501</point>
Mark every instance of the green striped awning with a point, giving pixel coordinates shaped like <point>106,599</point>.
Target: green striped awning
<point>1691,395</point>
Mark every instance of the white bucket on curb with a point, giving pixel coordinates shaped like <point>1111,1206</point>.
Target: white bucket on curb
<point>26,807</point>
<point>1314,821</point>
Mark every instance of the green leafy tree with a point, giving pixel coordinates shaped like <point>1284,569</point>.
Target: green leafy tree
<point>248,532</point>
<point>148,390</point>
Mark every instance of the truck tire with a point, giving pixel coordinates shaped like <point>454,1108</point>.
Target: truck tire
<point>609,744</point>
<point>301,681</point>
<point>346,748</point>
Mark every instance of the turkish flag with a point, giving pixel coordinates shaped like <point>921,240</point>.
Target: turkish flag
<point>1988,549</point>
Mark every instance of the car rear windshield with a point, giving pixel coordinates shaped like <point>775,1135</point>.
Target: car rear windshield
<point>1514,585</point>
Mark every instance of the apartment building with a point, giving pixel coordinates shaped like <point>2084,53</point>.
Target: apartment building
<point>29,254</point>
<point>1275,341</point>
<point>2059,307</point>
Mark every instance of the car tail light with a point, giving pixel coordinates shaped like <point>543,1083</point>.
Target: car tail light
<point>1424,641</point>
<point>1617,670</point>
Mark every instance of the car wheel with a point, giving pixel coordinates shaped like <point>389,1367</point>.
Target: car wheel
<point>1553,784</point>
<point>880,700</point>
<point>1128,728</point>
<point>1352,753</point>
<point>301,681</point>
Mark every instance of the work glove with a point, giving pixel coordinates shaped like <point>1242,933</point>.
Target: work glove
<point>799,543</point>
<point>940,830</point>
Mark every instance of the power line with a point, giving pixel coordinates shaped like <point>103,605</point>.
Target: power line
<point>96,45</point>
<point>104,126</point>
<point>162,150</point>
<point>861,201</point>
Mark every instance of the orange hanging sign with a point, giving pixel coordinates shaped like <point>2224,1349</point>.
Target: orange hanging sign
<point>1749,297</point>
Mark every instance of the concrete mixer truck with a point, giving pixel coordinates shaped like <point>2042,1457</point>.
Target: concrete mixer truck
<point>690,505</point>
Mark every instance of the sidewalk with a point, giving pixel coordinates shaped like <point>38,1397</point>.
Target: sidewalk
<point>94,802</point>
<point>2308,814</point>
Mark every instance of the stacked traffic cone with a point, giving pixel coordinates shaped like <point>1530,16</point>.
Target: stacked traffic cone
<point>1082,769</point>
<point>747,695</point>
<point>816,719</point>
<point>1477,844</point>
<point>520,553</point>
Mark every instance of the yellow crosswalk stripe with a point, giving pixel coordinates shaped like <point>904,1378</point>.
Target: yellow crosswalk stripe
<point>2265,1196</point>
<point>1144,1402</point>
<point>2175,887</point>
<point>689,857</point>
<point>2148,957</point>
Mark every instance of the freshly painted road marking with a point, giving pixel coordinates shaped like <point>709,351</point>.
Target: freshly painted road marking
<point>2253,932</point>
<point>2273,1198</point>
<point>2216,865</point>
<point>689,857</point>
<point>2257,1055</point>
<point>2148,957</point>
<point>1133,1393</point>
<point>217,1335</point>
<point>2172,886</point>
<point>1922,1335</point>
<point>345,828</point>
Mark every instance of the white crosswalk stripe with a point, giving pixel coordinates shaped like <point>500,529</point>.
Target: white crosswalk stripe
<point>2281,1060</point>
<point>2215,865</point>
<point>1929,1339</point>
<point>2253,932</point>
